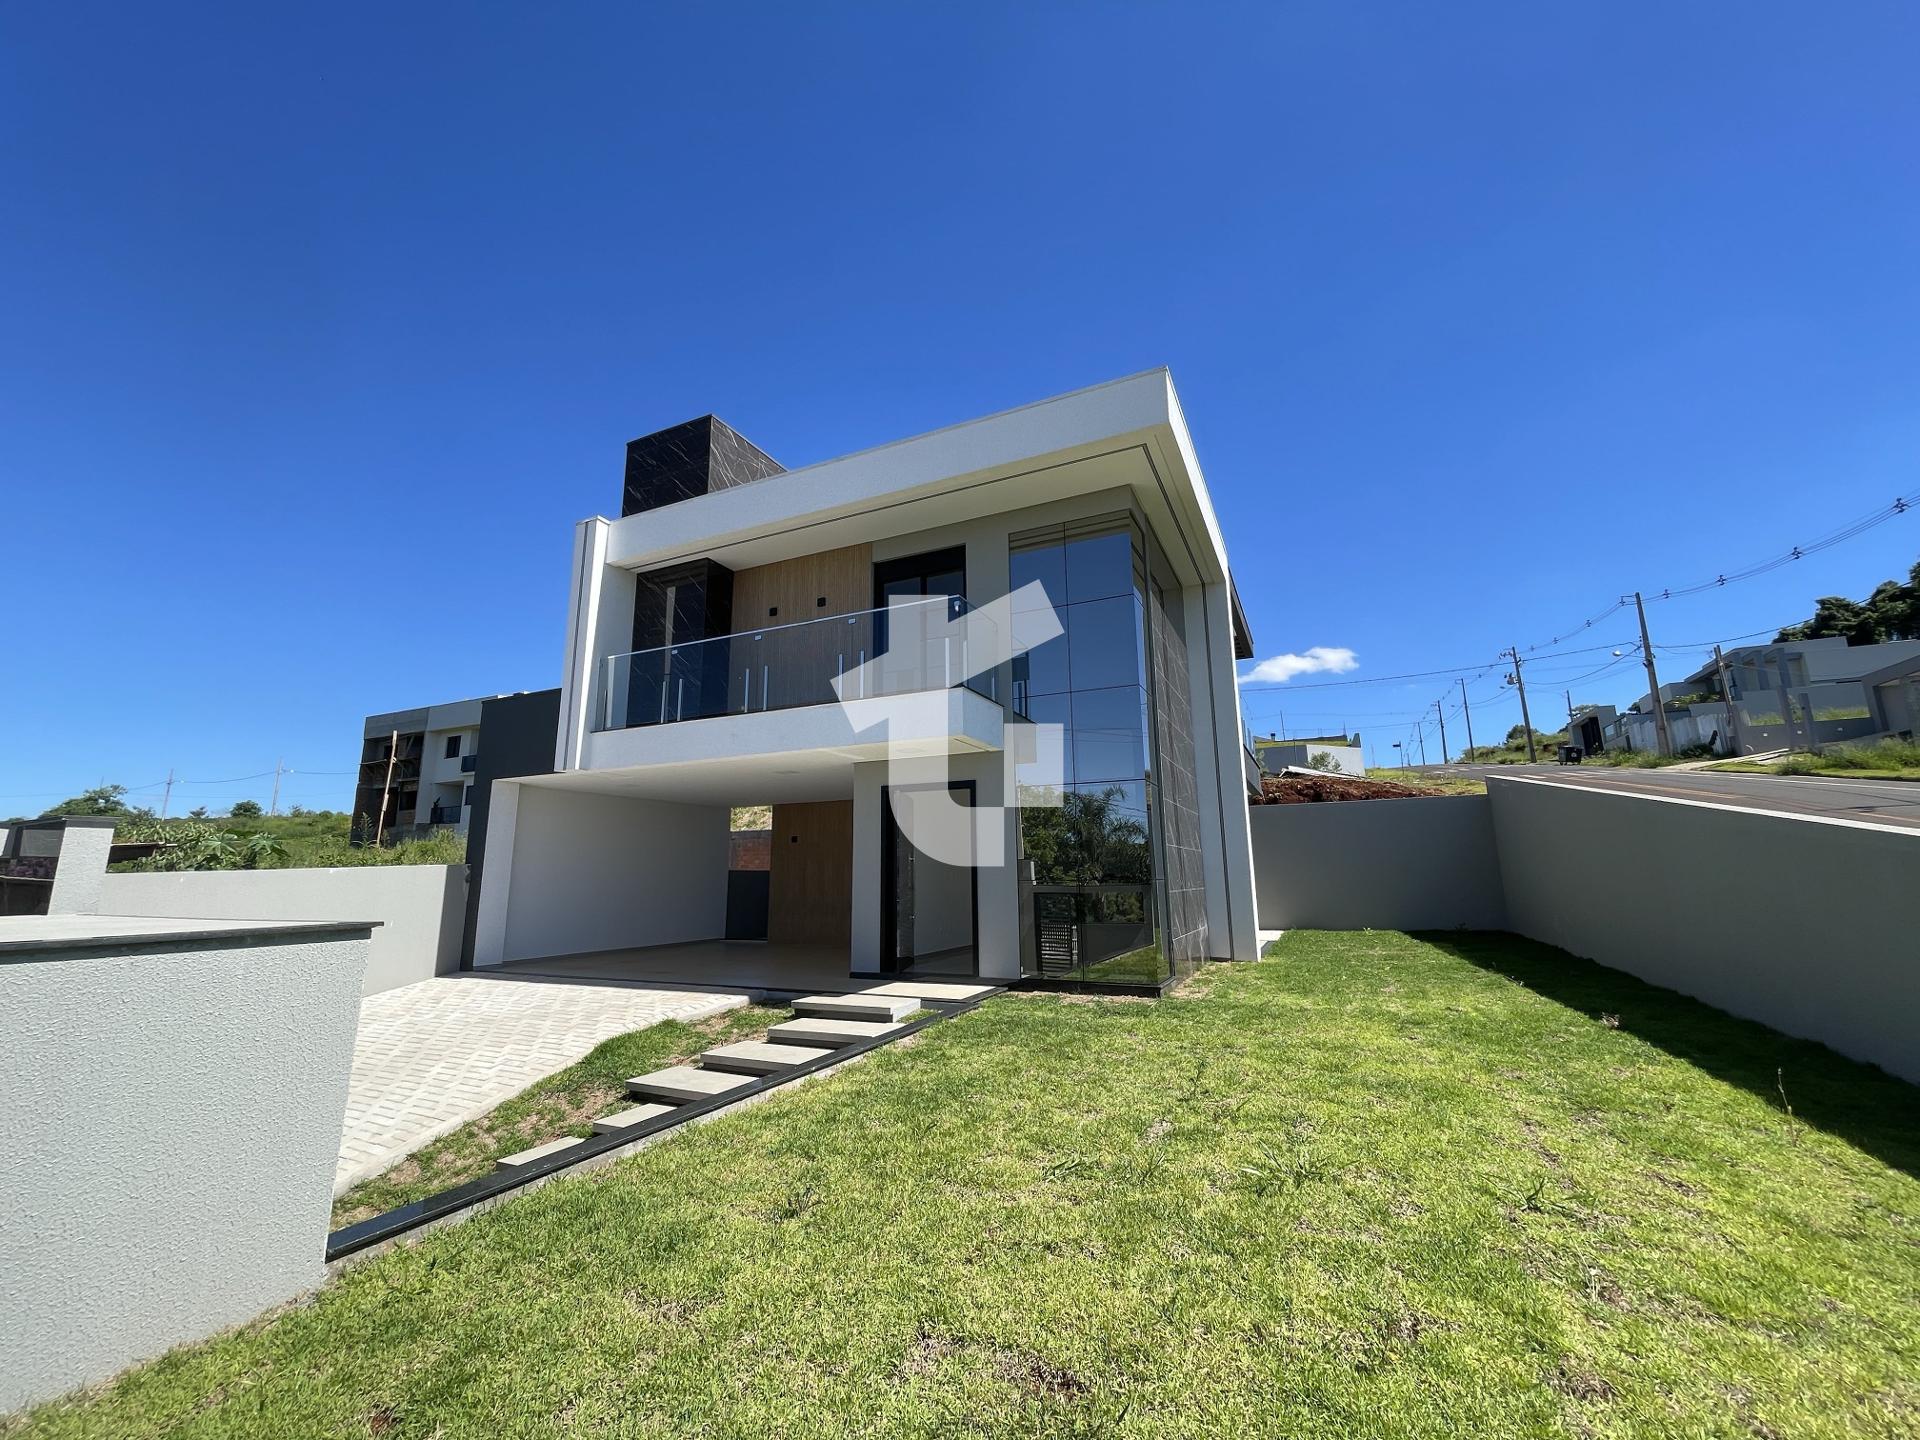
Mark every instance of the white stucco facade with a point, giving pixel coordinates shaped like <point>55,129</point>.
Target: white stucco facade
<point>1116,449</point>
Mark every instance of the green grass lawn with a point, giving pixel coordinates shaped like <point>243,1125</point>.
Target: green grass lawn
<point>566,1102</point>
<point>1375,1186</point>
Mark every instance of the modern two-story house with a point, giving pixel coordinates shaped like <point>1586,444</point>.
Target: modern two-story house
<point>1022,626</point>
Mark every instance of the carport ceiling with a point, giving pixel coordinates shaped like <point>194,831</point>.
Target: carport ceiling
<point>740,780</point>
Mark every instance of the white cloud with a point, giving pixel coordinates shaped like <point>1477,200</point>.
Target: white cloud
<point>1327,659</point>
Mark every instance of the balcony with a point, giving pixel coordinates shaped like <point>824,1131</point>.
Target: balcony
<point>757,712</point>
<point>903,649</point>
<point>444,815</point>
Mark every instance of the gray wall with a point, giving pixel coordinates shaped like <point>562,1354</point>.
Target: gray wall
<point>169,1124</point>
<point>1426,864</point>
<point>1811,926</point>
<point>421,908</point>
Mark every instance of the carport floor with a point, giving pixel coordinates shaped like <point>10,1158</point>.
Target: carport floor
<point>708,964</point>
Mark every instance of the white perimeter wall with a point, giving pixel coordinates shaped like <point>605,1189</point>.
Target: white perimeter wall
<point>598,872</point>
<point>421,908</point>
<point>1811,926</point>
<point>170,1123</point>
<point>1426,864</point>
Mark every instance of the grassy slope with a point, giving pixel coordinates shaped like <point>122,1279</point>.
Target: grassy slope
<point>564,1103</point>
<point>1378,1186</point>
<point>1438,784</point>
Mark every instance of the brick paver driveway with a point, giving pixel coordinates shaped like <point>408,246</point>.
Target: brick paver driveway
<point>429,1057</point>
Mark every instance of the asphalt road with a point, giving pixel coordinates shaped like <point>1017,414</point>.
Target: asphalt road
<point>1889,802</point>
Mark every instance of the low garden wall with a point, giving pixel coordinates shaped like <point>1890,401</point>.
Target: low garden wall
<point>170,1122</point>
<point>421,908</point>
<point>1426,864</point>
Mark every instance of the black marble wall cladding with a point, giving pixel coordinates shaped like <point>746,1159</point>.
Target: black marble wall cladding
<point>697,598</point>
<point>735,460</point>
<point>683,461</point>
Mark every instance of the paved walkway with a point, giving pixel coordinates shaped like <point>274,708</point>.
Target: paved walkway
<point>429,1057</point>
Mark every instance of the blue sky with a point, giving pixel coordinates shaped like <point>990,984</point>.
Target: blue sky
<point>322,329</point>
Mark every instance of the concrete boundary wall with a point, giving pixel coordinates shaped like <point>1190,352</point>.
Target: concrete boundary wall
<point>1426,864</point>
<point>1809,925</point>
<point>170,1122</point>
<point>421,908</point>
<point>1806,924</point>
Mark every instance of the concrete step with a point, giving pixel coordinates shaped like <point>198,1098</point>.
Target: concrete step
<point>682,1084</point>
<point>944,990</point>
<point>538,1152</point>
<point>756,1057</point>
<point>831,1033</point>
<point>856,1007</point>
<point>632,1115</point>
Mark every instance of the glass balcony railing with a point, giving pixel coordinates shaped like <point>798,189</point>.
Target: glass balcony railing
<point>907,647</point>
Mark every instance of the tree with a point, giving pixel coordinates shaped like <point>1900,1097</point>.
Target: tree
<point>1891,612</point>
<point>101,800</point>
<point>199,812</point>
<point>245,810</point>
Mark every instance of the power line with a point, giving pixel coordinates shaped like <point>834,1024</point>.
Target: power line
<point>1900,505</point>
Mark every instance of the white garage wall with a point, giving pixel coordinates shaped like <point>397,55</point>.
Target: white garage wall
<point>421,909</point>
<point>600,872</point>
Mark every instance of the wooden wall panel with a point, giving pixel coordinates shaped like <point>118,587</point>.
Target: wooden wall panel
<point>844,578</point>
<point>811,888</point>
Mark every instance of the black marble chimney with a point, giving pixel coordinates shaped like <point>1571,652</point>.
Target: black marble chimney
<point>689,460</point>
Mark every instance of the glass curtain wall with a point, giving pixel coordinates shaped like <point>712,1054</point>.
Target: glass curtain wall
<point>1099,898</point>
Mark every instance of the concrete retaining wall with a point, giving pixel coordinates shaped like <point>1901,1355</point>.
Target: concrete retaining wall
<point>1426,864</point>
<point>421,908</point>
<point>169,1122</point>
<point>1809,925</point>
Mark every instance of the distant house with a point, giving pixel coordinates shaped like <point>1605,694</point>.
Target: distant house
<point>416,771</point>
<point>1791,694</point>
<point>1276,755</point>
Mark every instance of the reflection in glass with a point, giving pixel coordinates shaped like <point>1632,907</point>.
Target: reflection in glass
<point>1104,645</point>
<point>1110,733</point>
<point>1099,566</point>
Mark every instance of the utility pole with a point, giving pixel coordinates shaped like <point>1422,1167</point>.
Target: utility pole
<point>1443,733</point>
<point>167,797</point>
<point>1421,735</point>
<point>1569,695</point>
<point>386,789</point>
<point>1660,735</point>
<point>1526,721</point>
<point>1468,713</point>
<point>278,767</point>
<point>1734,747</point>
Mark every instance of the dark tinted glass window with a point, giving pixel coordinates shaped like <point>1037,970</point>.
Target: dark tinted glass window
<point>1104,643</point>
<point>1099,566</point>
<point>1110,734</point>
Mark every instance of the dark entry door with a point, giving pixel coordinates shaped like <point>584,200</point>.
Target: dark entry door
<point>929,909</point>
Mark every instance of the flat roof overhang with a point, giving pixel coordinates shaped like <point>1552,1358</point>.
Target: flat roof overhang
<point>1126,433</point>
<point>806,753</point>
